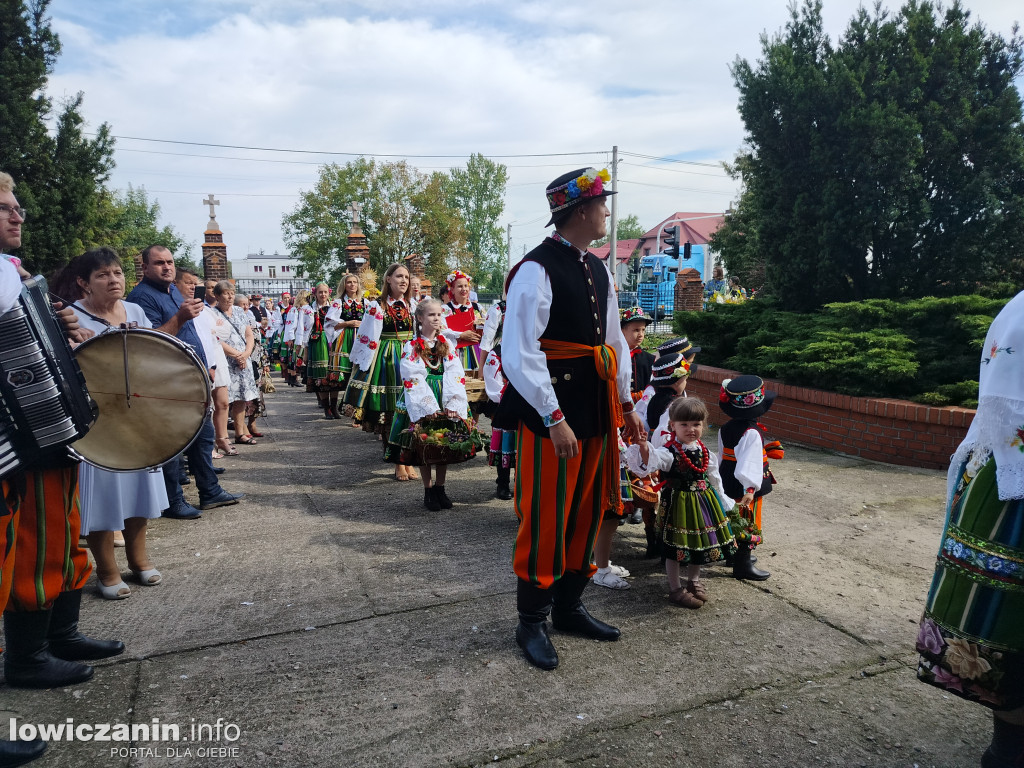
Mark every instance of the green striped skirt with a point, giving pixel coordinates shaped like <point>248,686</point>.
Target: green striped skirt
<point>374,393</point>
<point>971,637</point>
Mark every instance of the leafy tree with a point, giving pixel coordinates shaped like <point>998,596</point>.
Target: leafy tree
<point>629,228</point>
<point>889,165</point>
<point>404,212</point>
<point>128,222</point>
<point>59,177</point>
<point>477,192</point>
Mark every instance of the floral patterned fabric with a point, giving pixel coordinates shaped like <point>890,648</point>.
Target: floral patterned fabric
<point>971,637</point>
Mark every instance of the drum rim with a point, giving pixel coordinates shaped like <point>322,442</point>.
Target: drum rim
<point>195,359</point>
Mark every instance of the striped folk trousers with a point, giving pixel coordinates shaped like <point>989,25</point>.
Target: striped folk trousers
<point>559,505</point>
<point>39,528</point>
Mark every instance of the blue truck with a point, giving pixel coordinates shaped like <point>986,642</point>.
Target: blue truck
<point>656,283</point>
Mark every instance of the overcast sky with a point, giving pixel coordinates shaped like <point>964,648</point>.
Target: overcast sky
<point>413,78</point>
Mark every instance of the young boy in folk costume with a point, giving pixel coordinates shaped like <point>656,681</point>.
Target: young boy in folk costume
<point>633,322</point>
<point>692,523</point>
<point>743,456</point>
<point>376,382</point>
<point>465,320</point>
<point>341,324</point>
<point>318,354</point>
<point>435,387</point>
<point>680,346</point>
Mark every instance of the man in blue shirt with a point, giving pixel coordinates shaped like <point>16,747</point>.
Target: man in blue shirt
<point>171,313</point>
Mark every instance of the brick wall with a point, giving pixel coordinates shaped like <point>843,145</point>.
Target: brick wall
<point>893,431</point>
<point>215,256</point>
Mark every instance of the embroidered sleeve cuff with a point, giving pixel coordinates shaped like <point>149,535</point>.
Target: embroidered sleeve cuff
<point>627,407</point>
<point>751,490</point>
<point>555,417</point>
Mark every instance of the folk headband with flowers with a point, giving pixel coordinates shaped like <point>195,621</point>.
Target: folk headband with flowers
<point>588,184</point>
<point>455,275</point>
<point>634,313</point>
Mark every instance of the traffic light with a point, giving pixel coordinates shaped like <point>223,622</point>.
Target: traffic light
<point>686,250</point>
<point>672,241</point>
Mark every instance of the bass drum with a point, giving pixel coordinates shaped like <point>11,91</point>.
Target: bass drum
<point>153,396</point>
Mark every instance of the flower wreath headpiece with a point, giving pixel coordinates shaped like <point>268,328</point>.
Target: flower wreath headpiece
<point>454,275</point>
<point>630,314</point>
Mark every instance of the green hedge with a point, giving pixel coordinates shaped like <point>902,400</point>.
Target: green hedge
<point>926,350</point>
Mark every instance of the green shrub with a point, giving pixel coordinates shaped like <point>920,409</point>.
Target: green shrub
<point>926,350</point>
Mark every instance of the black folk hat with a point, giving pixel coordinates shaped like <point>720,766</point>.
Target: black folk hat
<point>745,397</point>
<point>571,189</point>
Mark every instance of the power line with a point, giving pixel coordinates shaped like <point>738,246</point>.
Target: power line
<point>670,159</point>
<point>683,189</point>
<point>346,154</point>
<point>672,170</point>
<point>219,194</point>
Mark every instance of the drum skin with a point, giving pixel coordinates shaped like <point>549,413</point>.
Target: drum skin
<point>169,399</point>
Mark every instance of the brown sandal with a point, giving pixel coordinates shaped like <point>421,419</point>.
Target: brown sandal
<point>697,589</point>
<point>684,599</point>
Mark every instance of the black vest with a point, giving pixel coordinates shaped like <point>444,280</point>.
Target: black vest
<point>643,368</point>
<point>578,313</point>
<point>731,433</point>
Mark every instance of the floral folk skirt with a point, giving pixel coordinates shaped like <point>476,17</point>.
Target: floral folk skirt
<point>339,366</point>
<point>374,394</point>
<point>692,527</point>
<point>971,637</point>
<point>502,451</point>
<point>317,367</point>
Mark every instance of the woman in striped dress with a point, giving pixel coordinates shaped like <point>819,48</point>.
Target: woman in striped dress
<point>342,323</point>
<point>971,637</point>
<point>376,382</point>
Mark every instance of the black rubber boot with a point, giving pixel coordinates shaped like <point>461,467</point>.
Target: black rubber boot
<point>504,485</point>
<point>744,568</point>
<point>568,613</point>
<point>28,662</point>
<point>1007,747</point>
<point>728,559</point>
<point>327,410</point>
<point>14,753</point>
<point>534,604</point>
<point>430,500</point>
<point>66,642</point>
<point>442,497</point>
<point>334,409</point>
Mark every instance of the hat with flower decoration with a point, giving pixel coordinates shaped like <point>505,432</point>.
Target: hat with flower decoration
<point>571,189</point>
<point>668,369</point>
<point>745,397</point>
<point>681,345</point>
<point>631,314</point>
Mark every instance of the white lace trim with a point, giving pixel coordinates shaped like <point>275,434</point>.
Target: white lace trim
<point>997,430</point>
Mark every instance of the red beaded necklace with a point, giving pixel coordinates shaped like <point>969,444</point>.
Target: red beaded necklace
<point>705,456</point>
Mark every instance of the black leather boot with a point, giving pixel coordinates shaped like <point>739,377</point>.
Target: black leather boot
<point>504,485</point>
<point>66,642</point>
<point>743,566</point>
<point>327,410</point>
<point>1007,747</point>
<point>14,753</point>
<point>28,662</point>
<point>653,550</point>
<point>533,604</point>
<point>430,500</point>
<point>568,613</point>
<point>334,409</point>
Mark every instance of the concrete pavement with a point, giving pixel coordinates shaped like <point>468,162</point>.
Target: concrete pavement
<point>329,619</point>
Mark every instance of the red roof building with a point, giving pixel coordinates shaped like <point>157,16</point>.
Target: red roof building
<point>697,231</point>
<point>624,250</point>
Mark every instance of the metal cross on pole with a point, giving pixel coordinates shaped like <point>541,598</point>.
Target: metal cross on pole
<point>211,202</point>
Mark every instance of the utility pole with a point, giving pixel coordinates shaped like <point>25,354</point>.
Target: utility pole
<point>613,242</point>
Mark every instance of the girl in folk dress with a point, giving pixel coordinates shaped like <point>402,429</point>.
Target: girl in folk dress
<point>435,386</point>
<point>289,321</point>
<point>318,354</point>
<point>692,522</point>
<point>343,320</point>
<point>465,319</point>
<point>303,328</point>
<point>376,382</point>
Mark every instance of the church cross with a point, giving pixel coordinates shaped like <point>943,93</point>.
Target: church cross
<point>355,208</point>
<point>211,202</point>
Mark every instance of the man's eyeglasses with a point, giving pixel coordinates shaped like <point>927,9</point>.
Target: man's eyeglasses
<point>7,210</point>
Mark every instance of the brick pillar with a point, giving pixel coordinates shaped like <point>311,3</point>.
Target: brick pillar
<point>215,253</point>
<point>356,248</point>
<point>689,294</point>
<point>416,266</point>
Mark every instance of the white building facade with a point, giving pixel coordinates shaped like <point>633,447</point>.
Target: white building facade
<point>267,274</point>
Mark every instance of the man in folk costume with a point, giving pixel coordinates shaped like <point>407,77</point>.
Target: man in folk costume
<point>568,394</point>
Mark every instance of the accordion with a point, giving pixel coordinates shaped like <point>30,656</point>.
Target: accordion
<point>44,404</point>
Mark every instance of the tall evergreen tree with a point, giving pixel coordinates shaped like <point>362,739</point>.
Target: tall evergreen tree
<point>59,177</point>
<point>889,165</point>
